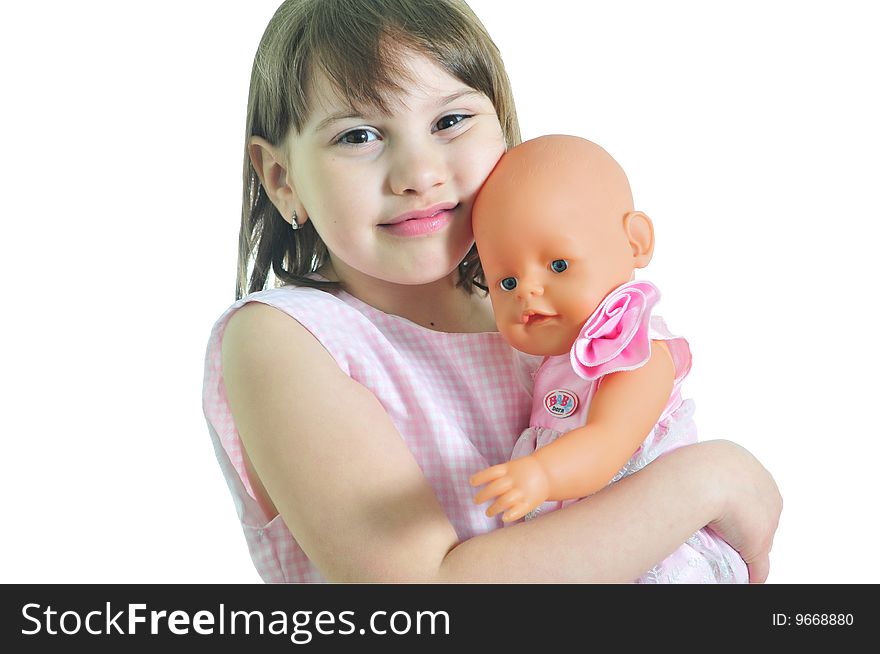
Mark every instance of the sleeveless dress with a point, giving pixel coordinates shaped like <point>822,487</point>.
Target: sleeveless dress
<point>458,400</point>
<point>617,338</point>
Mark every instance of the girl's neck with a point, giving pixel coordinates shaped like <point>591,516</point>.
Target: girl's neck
<point>439,306</point>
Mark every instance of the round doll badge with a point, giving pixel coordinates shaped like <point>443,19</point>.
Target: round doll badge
<point>560,403</point>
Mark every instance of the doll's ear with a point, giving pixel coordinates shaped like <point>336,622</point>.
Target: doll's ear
<point>640,232</point>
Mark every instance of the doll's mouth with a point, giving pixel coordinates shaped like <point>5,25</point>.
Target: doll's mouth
<point>531,318</point>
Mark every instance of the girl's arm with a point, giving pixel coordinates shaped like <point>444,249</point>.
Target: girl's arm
<point>357,503</point>
<point>617,534</point>
<point>625,407</point>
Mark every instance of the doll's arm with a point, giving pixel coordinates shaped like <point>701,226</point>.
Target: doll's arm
<point>623,411</point>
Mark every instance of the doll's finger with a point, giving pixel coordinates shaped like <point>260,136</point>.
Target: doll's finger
<point>494,489</point>
<point>489,474</point>
<point>505,502</point>
<point>515,512</point>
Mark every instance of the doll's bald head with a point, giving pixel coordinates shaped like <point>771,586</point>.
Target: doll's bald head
<point>558,176</point>
<point>556,231</point>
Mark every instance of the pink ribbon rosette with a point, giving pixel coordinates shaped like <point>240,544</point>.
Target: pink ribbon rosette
<point>615,337</point>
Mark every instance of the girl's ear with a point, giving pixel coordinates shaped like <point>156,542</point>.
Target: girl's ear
<point>271,167</point>
<point>640,233</point>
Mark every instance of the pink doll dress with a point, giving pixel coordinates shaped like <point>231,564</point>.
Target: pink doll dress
<point>617,338</point>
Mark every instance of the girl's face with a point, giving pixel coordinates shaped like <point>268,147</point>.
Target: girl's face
<point>391,195</point>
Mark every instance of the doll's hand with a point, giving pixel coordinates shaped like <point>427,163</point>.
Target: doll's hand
<point>520,486</point>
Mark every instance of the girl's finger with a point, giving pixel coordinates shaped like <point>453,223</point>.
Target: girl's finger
<point>759,569</point>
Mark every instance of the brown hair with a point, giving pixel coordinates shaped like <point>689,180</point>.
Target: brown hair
<point>348,41</point>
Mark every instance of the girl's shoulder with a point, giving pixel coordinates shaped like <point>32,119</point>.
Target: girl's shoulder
<point>360,338</point>
<point>336,325</point>
<point>292,300</point>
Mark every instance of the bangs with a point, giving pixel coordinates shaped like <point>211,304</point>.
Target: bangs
<point>367,74</point>
<point>360,48</point>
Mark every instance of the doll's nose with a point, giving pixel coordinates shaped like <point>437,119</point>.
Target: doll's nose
<point>529,289</point>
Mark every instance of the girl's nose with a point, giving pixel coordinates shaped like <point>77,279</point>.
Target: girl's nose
<point>417,169</point>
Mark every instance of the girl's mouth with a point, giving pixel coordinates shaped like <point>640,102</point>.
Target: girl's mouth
<point>422,223</point>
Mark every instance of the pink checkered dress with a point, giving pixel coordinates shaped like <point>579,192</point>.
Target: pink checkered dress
<point>458,400</point>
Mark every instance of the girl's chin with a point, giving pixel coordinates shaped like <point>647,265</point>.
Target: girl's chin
<point>415,263</point>
<point>420,275</point>
<point>430,272</point>
<point>422,278</point>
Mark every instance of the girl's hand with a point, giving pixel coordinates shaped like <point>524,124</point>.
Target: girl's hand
<point>749,507</point>
<point>520,486</point>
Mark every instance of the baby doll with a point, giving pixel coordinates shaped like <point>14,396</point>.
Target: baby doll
<point>559,242</point>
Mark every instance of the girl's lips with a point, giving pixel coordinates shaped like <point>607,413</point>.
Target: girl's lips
<point>421,226</point>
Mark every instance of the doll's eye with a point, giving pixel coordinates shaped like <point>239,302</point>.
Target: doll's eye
<point>508,283</point>
<point>559,265</point>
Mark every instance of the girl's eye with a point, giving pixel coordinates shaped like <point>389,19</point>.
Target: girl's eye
<point>559,265</point>
<point>508,283</point>
<point>357,137</point>
<point>449,121</point>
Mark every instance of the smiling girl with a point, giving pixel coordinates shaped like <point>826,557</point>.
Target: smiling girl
<point>349,405</point>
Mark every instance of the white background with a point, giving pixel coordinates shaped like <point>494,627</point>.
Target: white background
<point>750,134</point>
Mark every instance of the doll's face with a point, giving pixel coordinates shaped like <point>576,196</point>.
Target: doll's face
<point>547,275</point>
<point>551,248</point>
